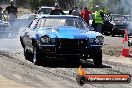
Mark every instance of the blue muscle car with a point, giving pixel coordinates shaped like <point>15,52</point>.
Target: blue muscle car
<point>61,36</point>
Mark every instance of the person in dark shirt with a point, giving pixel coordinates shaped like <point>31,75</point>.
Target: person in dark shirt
<point>70,11</point>
<point>75,12</point>
<point>11,10</point>
<point>12,16</point>
<point>57,10</point>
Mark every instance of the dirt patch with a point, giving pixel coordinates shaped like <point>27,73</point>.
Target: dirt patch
<point>113,50</point>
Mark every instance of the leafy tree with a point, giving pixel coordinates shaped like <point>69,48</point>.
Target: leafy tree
<point>93,3</point>
<point>34,4</point>
<point>64,4</point>
<point>47,3</point>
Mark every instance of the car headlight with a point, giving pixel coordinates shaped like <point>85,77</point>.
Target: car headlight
<point>99,39</point>
<point>45,39</point>
<point>112,23</point>
<point>52,40</point>
<point>91,40</point>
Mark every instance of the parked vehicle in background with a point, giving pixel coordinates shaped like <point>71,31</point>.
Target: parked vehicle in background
<point>120,23</point>
<point>107,26</point>
<point>61,36</point>
<point>44,10</point>
<point>129,21</point>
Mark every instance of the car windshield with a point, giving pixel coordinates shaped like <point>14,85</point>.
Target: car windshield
<point>118,18</point>
<point>128,18</point>
<point>65,21</point>
<point>45,10</point>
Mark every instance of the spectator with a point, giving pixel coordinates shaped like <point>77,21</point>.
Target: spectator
<point>12,16</point>
<point>99,18</point>
<point>1,14</point>
<point>57,10</point>
<point>75,12</point>
<point>70,11</point>
<point>85,15</point>
<point>12,12</point>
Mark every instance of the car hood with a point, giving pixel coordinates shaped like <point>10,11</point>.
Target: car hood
<point>68,32</point>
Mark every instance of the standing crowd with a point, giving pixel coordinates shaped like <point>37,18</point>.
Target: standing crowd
<point>97,16</point>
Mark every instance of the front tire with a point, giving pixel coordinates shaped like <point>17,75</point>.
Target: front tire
<point>112,34</point>
<point>28,54</point>
<point>97,58</point>
<point>36,55</point>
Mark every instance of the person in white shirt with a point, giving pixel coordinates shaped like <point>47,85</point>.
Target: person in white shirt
<point>1,14</point>
<point>75,12</point>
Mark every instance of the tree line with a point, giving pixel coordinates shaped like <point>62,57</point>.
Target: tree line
<point>108,6</point>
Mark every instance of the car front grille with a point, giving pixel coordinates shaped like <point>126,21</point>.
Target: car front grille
<point>120,26</point>
<point>73,43</point>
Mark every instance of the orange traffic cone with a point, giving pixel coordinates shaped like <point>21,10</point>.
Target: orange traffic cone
<point>125,49</point>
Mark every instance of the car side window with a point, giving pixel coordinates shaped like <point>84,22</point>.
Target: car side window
<point>33,24</point>
<point>42,23</point>
<point>39,23</point>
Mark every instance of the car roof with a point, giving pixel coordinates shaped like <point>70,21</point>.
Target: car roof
<point>50,16</point>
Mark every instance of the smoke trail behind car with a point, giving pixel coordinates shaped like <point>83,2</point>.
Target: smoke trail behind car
<point>11,40</point>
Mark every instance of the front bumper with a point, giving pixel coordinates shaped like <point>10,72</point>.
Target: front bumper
<point>61,50</point>
<point>119,31</point>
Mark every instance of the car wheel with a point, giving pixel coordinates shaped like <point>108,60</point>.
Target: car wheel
<point>36,55</point>
<point>106,33</point>
<point>129,43</point>
<point>123,35</point>
<point>112,34</point>
<point>97,58</point>
<point>28,54</point>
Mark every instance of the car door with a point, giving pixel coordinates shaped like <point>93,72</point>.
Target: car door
<point>29,32</point>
